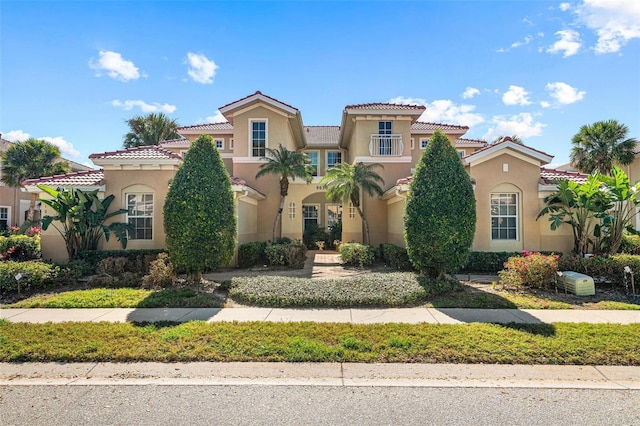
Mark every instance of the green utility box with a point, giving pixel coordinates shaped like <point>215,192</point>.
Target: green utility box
<point>577,283</point>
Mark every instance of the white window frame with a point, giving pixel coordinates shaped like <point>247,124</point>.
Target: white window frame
<point>326,208</point>
<point>326,158</point>
<point>304,217</point>
<point>129,216</point>
<point>317,165</point>
<point>266,136</point>
<point>426,142</point>
<point>231,144</point>
<point>461,153</point>
<point>8,218</point>
<point>221,147</point>
<point>505,216</point>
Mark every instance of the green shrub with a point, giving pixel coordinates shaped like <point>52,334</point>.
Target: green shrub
<point>161,273</point>
<point>35,275</point>
<point>112,266</point>
<point>314,234</point>
<point>199,212</point>
<point>251,254</point>
<point>530,270</point>
<point>20,247</point>
<point>492,262</point>
<point>292,255</point>
<point>375,289</point>
<point>608,269</point>
<point>125,279</point>
<point>630,244</point>
<point>395,256</point>
<point>357,254</point>
<point>138,260</point>
<point>440,211</point>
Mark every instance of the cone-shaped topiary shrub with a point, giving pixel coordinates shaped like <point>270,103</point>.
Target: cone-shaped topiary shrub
<point>440,214</point>
<point>199,212</point>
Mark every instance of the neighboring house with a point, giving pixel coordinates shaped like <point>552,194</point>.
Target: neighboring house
<point>14,202</point>
<point>510,180</point>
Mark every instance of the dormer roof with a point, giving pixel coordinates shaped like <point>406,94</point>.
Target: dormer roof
<point>508,144</point>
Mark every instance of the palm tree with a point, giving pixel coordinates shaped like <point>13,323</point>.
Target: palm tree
<point>287,165</point>
<point>31,159</point>
<point>602,145</point>
<point>150,130</point>
<point>345,183</point>
<point>514,138</point>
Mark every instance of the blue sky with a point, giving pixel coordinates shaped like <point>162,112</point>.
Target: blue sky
<point>73,72</point>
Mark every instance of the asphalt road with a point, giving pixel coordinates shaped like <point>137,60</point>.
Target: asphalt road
<point>321,405</point>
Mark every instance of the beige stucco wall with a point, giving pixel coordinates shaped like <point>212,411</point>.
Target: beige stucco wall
<point>395,221</point>
<point>278,129</point>
<point>522,178</point>
<point>364,127</point>
<point>560,240</point>
<point>10,197</point>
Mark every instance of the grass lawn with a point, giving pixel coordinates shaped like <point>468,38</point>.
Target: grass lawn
<point>588,344</point>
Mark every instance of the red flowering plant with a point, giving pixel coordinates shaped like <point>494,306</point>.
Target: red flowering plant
<point>532,269</point>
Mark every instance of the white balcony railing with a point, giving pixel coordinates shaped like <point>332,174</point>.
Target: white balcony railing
<point>386,146</point>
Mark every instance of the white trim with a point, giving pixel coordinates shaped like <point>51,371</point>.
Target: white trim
<point>386,112</point>
<point>136,162</point>
<point>215,141</point>
<point>249,160</point>
<point>152,216</point>
<point>317,152</point>
<point>205,131</point>
<point>316,180</point>
<point>34,189</point>
<point>318,209</point>
<point>250,191</point>
<point>383,159</point>
<point>226,155</point>
<point>517,216</point>
<point>260,97</point>
<point>522,149</point>
<point>266,135</point>
<point>8,215</point>
<point>326,157</point>
<point>425,145</point>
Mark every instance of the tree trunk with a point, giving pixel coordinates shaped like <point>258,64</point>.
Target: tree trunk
<point>277,219</point>
<point>32,207</point>
<point>365,240</point>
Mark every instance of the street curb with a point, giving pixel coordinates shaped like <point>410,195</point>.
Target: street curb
<point>320,374</point>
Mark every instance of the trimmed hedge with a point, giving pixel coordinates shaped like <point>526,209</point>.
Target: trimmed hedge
<point>20,247</point>
<point>35,275</point>
<point>292,255</point>
<point>395,257</point>
<point>375,289</point>
<point>603,269</point>
<point>630,244</point>
<point>491,262</point>
<point>251,254</point>
<point>137,260</point>
<point>357,254</point>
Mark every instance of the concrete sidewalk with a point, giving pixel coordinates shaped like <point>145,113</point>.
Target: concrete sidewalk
<point>354,316</point>
<point>320,374</point>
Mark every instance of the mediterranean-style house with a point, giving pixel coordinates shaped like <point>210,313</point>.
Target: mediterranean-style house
<point>14,202</point>
<point>510,179</point>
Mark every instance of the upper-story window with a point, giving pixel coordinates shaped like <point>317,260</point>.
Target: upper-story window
<point>384,128</point>
<point>424,142</point>
<point>219,143</point>
<point>333,158</point>
<point>258,138</point>
<point>314,157</point>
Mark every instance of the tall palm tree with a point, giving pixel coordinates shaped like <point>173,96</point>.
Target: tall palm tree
<point>346,182</point>
<point>601,145</point>
<point>150,130</point>
<point>31,159</point>
<point>287,165</point>
<point>515,138</point>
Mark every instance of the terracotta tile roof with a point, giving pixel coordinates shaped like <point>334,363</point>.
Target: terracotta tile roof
<point>84,178</point>
<point>175,142</point>
<point>423,125</point>
<point>223,125</point>
<point>507,140</point>
<point>151,152</point>
<point>322,135</point>
<point>237,181</point>
<point>551,176</point>
<point>386,106</point>
<point>470,142</point>
<point>258,93</point>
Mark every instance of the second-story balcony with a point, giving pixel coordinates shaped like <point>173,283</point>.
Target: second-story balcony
<point>385,145</point>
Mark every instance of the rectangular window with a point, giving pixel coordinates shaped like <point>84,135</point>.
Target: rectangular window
<point>461,153</point>
<point>334,214</point>
<point>423,143</point>
<point>4,218</point>
<point>333,158</point>
<point>258,138</point>
<point>314,157</point>
<point>219,143</point>
<point>384,128</point>
<point>504,216</point>
<point>310,214</point>
<point>231,145</point>
<point>140,216</point>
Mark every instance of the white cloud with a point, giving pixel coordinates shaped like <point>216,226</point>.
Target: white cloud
<point>114,65</point>
<point>128,105</point>
<point>614,21</point>
<point>545,104</point>
<point>470,92</point>
<point>569,43</point>
<point>66,148</point>
<point>523,125</point>
<point>564,94</point>
<point>528,39</point>
<point>201,69</point>
<point>564,6</point>
<point>444,111</point>
<point>217,117</point>
<point>516,95</point>
<point>16,136</point>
